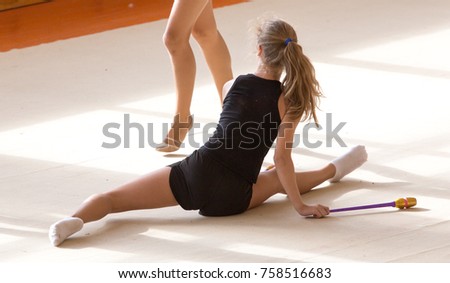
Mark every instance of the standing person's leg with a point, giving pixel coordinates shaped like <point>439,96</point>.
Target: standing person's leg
<point>150,191</point>
<point>214,47</point>
<point>181,21</point>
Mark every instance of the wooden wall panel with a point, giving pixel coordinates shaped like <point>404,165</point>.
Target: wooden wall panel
<point>62,19</point>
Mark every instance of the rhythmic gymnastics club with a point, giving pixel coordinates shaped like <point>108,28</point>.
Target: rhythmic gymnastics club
<point>402,203</point>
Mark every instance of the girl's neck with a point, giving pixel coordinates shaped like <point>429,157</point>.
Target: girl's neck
<point>268,73</point>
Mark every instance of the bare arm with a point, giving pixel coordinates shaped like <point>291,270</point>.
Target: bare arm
<point>286,170</point>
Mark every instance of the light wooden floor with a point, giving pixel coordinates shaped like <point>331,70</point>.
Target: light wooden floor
<point>384,68</point>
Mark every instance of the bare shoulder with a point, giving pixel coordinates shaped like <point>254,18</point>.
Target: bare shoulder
<point>226,88</point>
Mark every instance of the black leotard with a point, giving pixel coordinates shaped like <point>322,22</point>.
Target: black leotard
<point>217,179</point>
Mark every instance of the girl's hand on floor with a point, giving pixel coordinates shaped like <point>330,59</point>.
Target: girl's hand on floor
<point>317,211</point>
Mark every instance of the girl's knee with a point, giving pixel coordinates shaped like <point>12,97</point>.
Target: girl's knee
<point>174,41</point>
<point>95,198</point>
<point>101,200</point>
<point>204,35</point>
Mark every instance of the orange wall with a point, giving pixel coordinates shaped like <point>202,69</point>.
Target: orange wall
<point>62,19</point>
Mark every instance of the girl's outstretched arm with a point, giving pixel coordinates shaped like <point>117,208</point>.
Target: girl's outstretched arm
<point>286,170</point>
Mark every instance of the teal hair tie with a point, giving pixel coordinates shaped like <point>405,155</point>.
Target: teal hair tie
<point>286,42</point>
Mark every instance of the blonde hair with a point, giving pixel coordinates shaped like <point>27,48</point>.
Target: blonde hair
<point>280,47</point>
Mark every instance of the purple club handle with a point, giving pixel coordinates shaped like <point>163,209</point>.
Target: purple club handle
<point>387,204</point>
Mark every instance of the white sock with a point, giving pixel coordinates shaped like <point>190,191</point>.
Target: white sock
<point>349,162</point>
<point>62,229</point>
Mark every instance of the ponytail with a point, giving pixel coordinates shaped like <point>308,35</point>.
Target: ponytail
<point>281,50</point>
<point>300,86</point>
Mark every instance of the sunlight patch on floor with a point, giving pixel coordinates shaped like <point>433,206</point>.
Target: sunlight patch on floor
<point>8,239</point>
<point>170,235</point>
<point>420,164</point>
<point>428,51</point>
<point>21,228</point>
<point>273,252</point>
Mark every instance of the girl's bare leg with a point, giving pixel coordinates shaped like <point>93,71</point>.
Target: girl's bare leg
<point>150,191</point>
<point>268,183</point>
<point>214,47</point>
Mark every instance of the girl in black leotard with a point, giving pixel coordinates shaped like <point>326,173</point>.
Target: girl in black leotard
<point>223,177</point>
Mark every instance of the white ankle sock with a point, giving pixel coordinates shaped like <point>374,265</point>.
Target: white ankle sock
<point>349,162</point>
<point>62,229</point>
